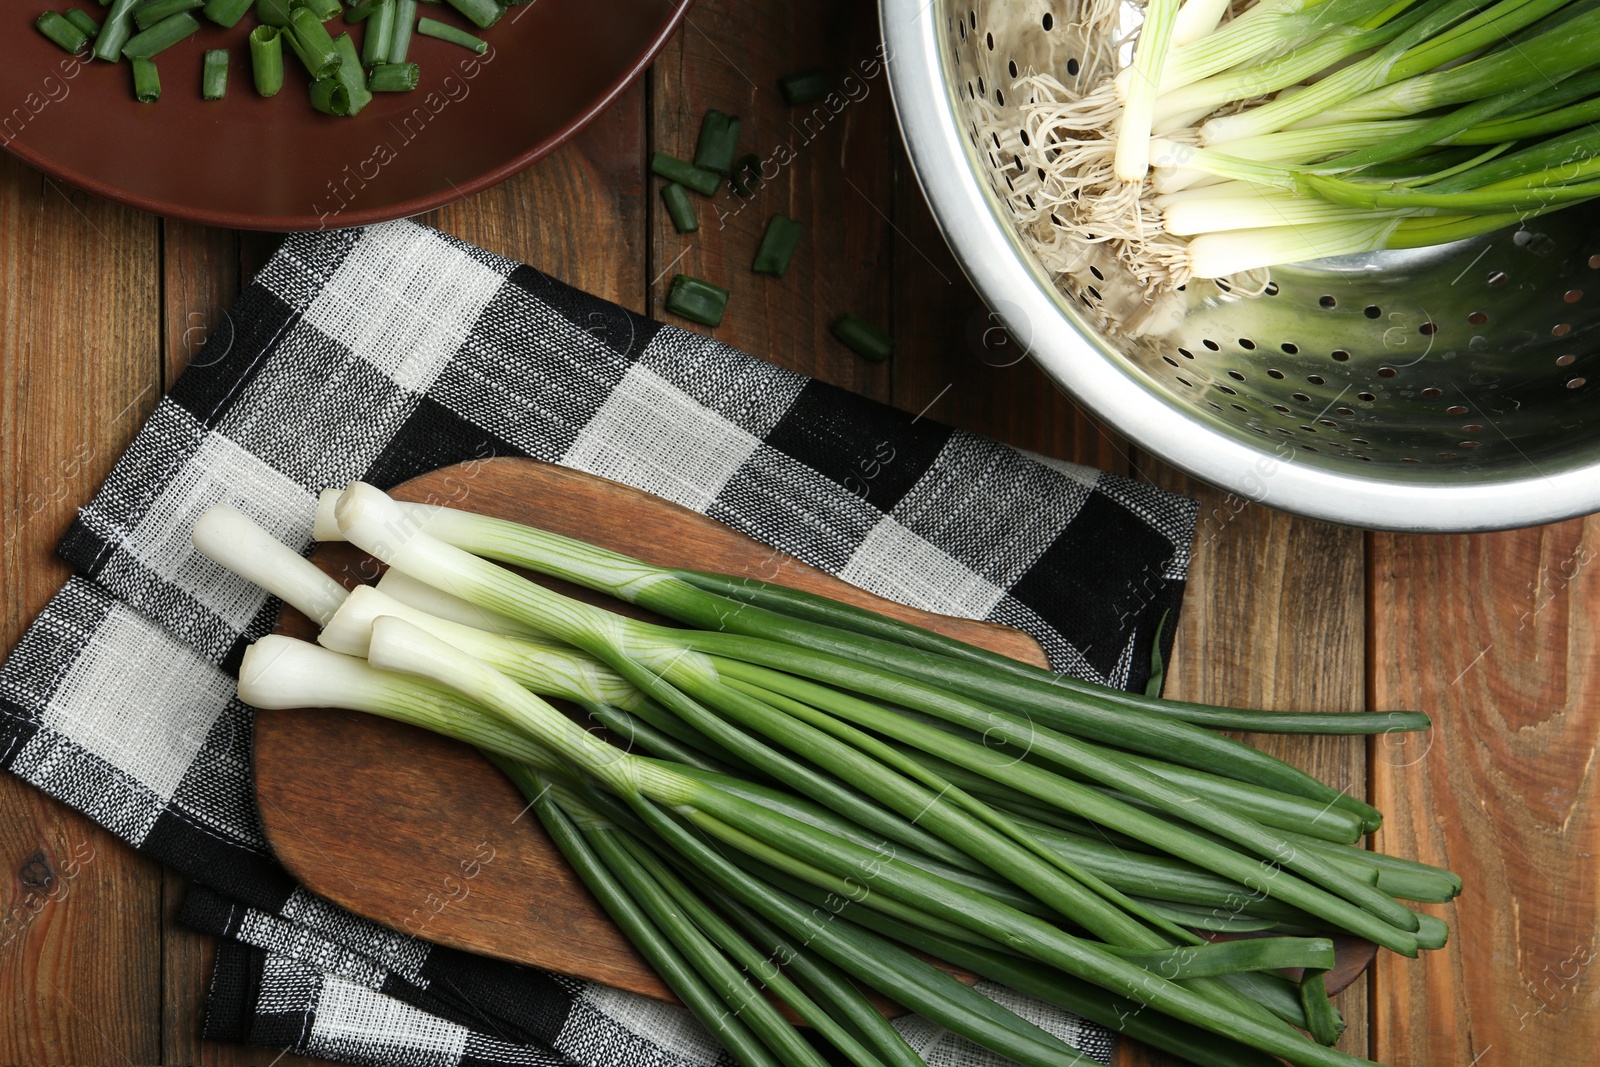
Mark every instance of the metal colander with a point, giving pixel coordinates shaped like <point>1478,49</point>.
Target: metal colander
<point>1447,388</point>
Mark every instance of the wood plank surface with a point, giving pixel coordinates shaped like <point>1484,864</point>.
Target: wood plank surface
<point>1273,617</point>
<point>80,923</point>
<point>829,165</point>
<point>1498,636</point>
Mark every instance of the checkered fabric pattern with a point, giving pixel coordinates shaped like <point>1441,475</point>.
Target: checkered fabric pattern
<point>387,352</point>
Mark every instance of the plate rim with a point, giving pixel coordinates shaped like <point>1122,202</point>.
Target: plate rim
<point>368,216</point>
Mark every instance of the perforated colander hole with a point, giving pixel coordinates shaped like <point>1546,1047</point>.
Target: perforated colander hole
<point>1290,347</point>
<point>1316,379</point>
<point>1498,277</point>
<point>1236,376</point>
<point>972,17</point>
<point>1572,296</point>
<point>1240,407</point>
<point>1072,64</point>
<point>1309,429</point>
<point>1345,411</point>
<point>1447,455</point>
<point>1281,409</point>
<point>1577,383</point>
<point>1022,135</point>
<point>1366,397</point>
<point>1566,360</point>
<point>1272,289</point>
<point>1286,433</point>
<point>1387,372</point>
<point>1472,427</point>
<point>1340,355</point>
<point>1185,353</point>
<point>1478,318</point>
<point>1432,391</point>
<point>1012,67</point>
<point>1428,329</point>
<point>1364,459</point>
<point>1097,275</point>
<point>1170,360</point>
<point>1469,444</point>
<point>1594,262</point>
<point>1308,448</point>
<point>981,90</point>
<point>1456,409</point>
<point>1409,459</point>
<point>1213,405</point>
<point>1228,389</point>
<point>1359,441</point>
<point>1275,373</point>
<point>1371,311</point>
<point>1561,329</point>
<point>1301,397</point>
<point>1247,344</point>
<point>1184,381</point>
<point>1000,98</point>
<point>1211,344</point>
<point>1328,302</point>
<point>1329,423</point>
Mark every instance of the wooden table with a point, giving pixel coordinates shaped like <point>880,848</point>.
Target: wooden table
<point>1498,636</point>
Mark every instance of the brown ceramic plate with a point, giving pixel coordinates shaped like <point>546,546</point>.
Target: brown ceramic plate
<point>275,164</point>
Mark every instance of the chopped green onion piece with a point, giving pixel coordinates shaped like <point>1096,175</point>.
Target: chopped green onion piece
<point>146,81</point>
<point>153,11</point>
<point>380,30</point>
<point>442,32</point>
<point>863,338</point>
<point>274,12</point>
<point>481,13</point>
<point>360,12</point>
<point>394,78</point>
<point>719,139</point>
<point>114,31</point>
<point>84,21</point>
<point>162,36</point>
<point>55,26</point>
<point>329,96</point>
<point>679,208</point>
<point>351,75</point>
<point>676,170</point>
<point>214,74</point>
<point>266,59</point>
<point>777,246</point>
<point>697,300</point>
<point>324,9</point>
<point>746,176</point>
<point>227,13</point>
<point>405,23</point>
<point>315,45</point>
<point>805,87</point>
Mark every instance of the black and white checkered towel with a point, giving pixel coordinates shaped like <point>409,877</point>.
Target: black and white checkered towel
<point>386,352</point>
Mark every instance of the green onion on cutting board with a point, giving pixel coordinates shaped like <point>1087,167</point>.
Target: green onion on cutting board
<point>819,785</point>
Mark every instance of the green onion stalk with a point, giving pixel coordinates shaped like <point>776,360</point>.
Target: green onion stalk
<point>1314,128</point>
<point>782,749</point>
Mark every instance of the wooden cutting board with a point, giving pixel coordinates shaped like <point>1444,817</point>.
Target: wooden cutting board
<point>422,834</point>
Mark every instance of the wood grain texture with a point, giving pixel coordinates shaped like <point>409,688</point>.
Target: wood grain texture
<point>958,363</point>
<point>79,913</point>
<point>829,165</point>
<point>447,851</point>
<point>1498,636</point>
<point>1273,618</point>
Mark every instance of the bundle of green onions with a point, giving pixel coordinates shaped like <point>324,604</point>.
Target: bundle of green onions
<point>792,795</point>
<point>1300,129</point>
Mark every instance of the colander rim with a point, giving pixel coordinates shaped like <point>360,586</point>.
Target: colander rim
<point>969,217</point>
